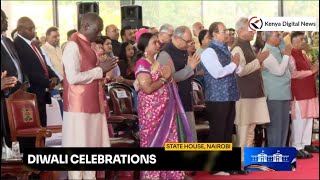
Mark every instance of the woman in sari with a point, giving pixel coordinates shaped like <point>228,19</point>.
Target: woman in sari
<point>161,115</point>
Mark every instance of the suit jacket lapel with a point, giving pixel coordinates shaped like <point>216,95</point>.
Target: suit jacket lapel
<point>14,51</point>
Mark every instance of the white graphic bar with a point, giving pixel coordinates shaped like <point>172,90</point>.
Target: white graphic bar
<point>257,23</point>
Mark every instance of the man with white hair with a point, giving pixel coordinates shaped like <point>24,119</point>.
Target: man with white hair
<point>165,34</point>
<point>175,54</point>
<point>251,109</point>
<point>196,28</point>
<point>277,80</point>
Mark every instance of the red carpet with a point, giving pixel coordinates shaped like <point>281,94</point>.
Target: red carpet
<point>306,169</point>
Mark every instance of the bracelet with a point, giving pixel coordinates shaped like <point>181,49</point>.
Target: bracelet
<point>163,80</point>
<point>163,83</point>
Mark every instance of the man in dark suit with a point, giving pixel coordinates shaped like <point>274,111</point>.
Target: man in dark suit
<point>12,77</point>
<point>41,76</point>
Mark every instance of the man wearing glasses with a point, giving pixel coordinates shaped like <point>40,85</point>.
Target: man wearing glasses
<point>183,66</point>
<point>221,90</point>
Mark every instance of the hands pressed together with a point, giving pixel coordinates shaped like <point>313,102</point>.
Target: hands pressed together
<point>194,60</point>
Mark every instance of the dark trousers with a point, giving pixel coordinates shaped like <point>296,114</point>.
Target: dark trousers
<point>221,116</point>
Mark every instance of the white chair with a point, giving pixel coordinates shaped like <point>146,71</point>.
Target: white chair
<point>54,118</point>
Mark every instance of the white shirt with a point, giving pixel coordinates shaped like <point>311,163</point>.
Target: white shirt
<point>26,40</point>
<point>210,60</point>
<point>71,62</point>
<point>274,67</point>
<point>246,68</point>
<point>48,61</point>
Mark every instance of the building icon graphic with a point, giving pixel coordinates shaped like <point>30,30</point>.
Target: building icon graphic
<point>276,157</point>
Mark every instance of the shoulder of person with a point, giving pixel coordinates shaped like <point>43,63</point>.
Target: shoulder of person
<point>8,39</point>
<point>71,44</point>
<point>163,52</point>
<point>237,49</point>
<point>208,51</point>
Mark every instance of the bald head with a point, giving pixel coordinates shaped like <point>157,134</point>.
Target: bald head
<point>196,28</point>
<point>26,28</point>
<point>89,18</point>
<point>112,31</point>
<point>91,26</point>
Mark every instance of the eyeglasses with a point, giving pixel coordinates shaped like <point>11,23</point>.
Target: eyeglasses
<point>189,42</point>
<point>226,31</point>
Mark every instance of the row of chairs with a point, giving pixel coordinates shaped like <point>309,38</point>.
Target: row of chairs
<point>24,121</point>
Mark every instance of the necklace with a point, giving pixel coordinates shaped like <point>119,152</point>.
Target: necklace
<point>154,65</point>
<point>151,63</point>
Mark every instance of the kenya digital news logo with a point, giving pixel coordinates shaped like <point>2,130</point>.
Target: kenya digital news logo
<point>255,23</point>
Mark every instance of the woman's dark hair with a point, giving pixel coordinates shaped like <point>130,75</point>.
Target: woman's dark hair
<point>202,34</point>
<point>146,27</point>
<point>99,41</point>
<point>123,53</point>
<point>104,38</point>
<point>144,41</point>
<point>259,43</point>
<point>142,44</point>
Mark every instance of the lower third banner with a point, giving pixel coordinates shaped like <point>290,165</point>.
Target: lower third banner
<point>131,159</point>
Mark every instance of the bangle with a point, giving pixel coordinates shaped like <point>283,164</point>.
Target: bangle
<point>163,80</point>
<point>163,83</point>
